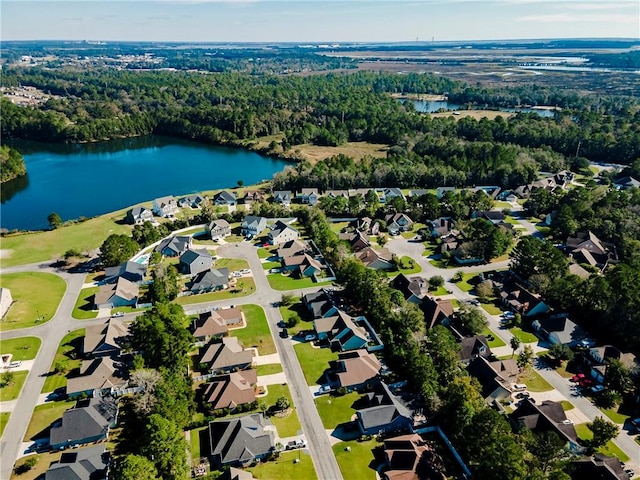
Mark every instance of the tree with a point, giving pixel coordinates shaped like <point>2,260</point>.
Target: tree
<point>525,358</point>
<point>282,403</point>
<point>165,445</point>
<point>484,290</point>
<point>603,431</point>
<point>618,376</point>
<point>444,352</point>
<point>146,379</point>
<point>471,319</point>
<point>117,249</point>
<point>549,449</point>
<point>241,182</point>
<point>54,220</point>
<point>461,401</point>
<point>165,286</point>
<point>436,282</point>
<point>287,299</point>
<point>534,256</point>
<point>293,320</point>
<point>515,345</point>
<point>561,353</point>
<point>134,467</point>
<point>6,379</point>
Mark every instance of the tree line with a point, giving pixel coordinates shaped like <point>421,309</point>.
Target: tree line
<point>11,164</point>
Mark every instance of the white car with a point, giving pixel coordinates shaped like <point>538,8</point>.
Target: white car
<point>245,271</point>
<point>118,314</point>
<point>15,364</point>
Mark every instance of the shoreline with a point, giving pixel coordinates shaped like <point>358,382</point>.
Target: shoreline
<point>426,97</point>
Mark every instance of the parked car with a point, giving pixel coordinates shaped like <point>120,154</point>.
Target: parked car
<point>519,387</point>
<point>118,314</point>
<point>310,337</point>
<point>15,364</point>
<point>597,388</point>
<point>284,333</point>
<point>293,444</point>
<point>523,395</point>
<point>245,271</point>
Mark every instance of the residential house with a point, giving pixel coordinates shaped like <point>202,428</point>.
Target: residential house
<point>559,329</point>
<point>218,229</point>
<point>376,259</point>
<point>309,196</point>
<point>356,369</point>
<point>472,347</point>
<point>389,194</point>
<point>80,464</point>
<point>105,339</point>
<point>627,182</point>
<point>252,226</point>
<point>413,288</point>
<point>236,474</point>
<point>165,206</point>
<point>418,193</point>
<point>436,311</point>
<point>226,356</point>
<point>174,246</point>
<point>384,412</point>
<point>224,198</point>
<point>302,265</point>
<point>191,201</point>
<point>585,247</point>
<point>89,421</point>
<point>362,224</point>
<point>441,191</point>
<point>596,360</point>
<point>547,417</point>
<point>231,389</point>
<point>293,248</point>
<point>251,196</point>
<point>216,323</point>
<point>598,467</point>
<point>494,216</point>
<point>282,197</point>
<point>193,262</point>
<point>241,440</point>
<point>520,300</point>
<point>563,178</point>
<point>282,233</point>
<point>507,196</point>
<point>320,303</point>
<point>575,269</point>
<point>98,377</point>
<point>210,280</point>
<point>123,293</point>
<point>398,222</point>
<point>357,241</point>
<point>441,227</point>
<point>403,455</point>
<point>139,215</point>
<point>5,301</point>
<point>337,193</point>
<point>132,271</point>
<point>341,332</point>
<point>496,377</point>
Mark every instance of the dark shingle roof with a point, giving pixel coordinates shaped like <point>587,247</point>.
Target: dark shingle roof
<point>82,464</point>
<point>240,439</point>
<point>87,419</point>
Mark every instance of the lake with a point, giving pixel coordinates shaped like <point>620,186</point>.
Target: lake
<point>425,106</point>
<point>92,179</point>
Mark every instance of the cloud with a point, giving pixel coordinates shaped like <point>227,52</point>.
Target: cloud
<point>582,18</point>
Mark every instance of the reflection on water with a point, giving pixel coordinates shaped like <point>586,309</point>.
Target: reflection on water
<point>10,188</point>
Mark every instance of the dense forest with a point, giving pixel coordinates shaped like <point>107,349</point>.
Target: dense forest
<point>11,164</point>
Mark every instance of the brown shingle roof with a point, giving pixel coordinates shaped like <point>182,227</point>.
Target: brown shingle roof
<point>355,368</point>
<point>230,390</point>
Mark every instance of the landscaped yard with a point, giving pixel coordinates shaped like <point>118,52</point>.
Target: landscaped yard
<point>313,361</point>
<point>610,448</point>
<point>23,348</point>
<point>256,333</point>
<point>246,285</point>
<point>491,308</point>
<point>266,253</point>
<point>496,342</point>
<point>286,467</point>
<point>358,463</point>
<point>411,266</point>
<point>36,297</point>
<point>338,226</point>
<point>84,304</point>
<point>468,282</point>
<point>614,415</point>
<point>296,309</point>
<point>567,405</point>
<point>4,418</point>
<point>270,265</point>
<point>11,392</point>
<point>269,369</point>
<point>525,337</point>
<point>336,410</point>
<point>69,353</point>
<point>287,426</point>
<point>43,416</point>
<point>198,440</point>
<point>37,472</point>
<point>438,292</point>
<point>233,264</point>
<point>429,249</point>
<point>282,282</point>
<point>535,383</point>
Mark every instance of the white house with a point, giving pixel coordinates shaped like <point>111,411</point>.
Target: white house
<point>282,233</point>
<point>165,206</point>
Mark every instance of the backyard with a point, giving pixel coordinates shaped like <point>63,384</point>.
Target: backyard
<point>336,410</point>
<point>357,459</point>
<point>314,361</point>
<point>43,416</point>
<point>256,333</point>
<point>246,286</point>
<point>23,348</point>
<point>68,358</point>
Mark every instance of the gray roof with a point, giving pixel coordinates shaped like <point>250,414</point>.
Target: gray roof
<point>251,221</point>
<point>384,408</point>
<point>282,195</point>
<point>240,439</point>
<point>81,464</point>
<point>210,279</point>
<point>229,353</point>
<point>224,196</point>
<point>128,269</point>
<point>192,255</point>
<point>177,243</point>
<point>89,418</point>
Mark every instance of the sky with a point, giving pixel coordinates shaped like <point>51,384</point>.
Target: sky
<point>317,20</point>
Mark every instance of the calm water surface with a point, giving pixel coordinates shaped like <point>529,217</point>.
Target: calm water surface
<point>92,179</point>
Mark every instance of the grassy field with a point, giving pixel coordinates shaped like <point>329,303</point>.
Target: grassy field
<point>269,369</point>
<point>285,467</point>
<point>285,283</point>
<point>69,353</point>
<point>4,418</point>
<point>43,246</point>
<point>338,226</point>
<point>496,342</point>
<point>610,448</point>
<point>232,264</point>
<point>35,295</point>
<point>525,337</point>
<point>336,410</point>
<point>256,333</point>
<point>23,348</point>
<point>12,391</point>
<point>44,416</point>
<point>83,308</point>
<point>358,463</point>
<point>313,361</point>
<point>247,286</point>
<point>416,268</point>
<point>287,426</point>
<point>438,292</point>
<point>535,383</point>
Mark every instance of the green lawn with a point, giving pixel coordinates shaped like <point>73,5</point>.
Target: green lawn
<point>357,463</point>
<point>84,304</point>
<point>429,249</point>
<point>282,282</point>
<point>567,405</point>
<point>297,309</point>
<point>439,292</point>
<point>289,425</point>
<point>285,467</point>
<point>468,282</point>
<point>232,264</point>
<point>416,268</point>
<point>491,308</point>
<point>610,448</point>
<point>246,286</point>
<point>338,226</point>
<point>535,383</point>
<point>69,353</point>
<point>23,348</point>
<point>43,416</point>
<point>614,415</point>
<point>12,391</point>
<point>525,337</point>
<point>256,333</point>
<point>35,295</point>
<point>42,246</point>
<point>197,441</point>
<point>496,342</point>
<point>336,410</point>
<point>314,361</point>
<point>265,253</point>
<point>4,418</point>
<point>269,369</point>
<point>510,219</point>
<point>270,265</point>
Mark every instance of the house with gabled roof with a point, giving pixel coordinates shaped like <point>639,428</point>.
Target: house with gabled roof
<point>390,193</point>
<point>472,347</point>
<point>231,389</point>
<point>253,226</point>
<point>226,356</point>
<point>320,304</point>
<point>123,293</point>
<point>224,198</point>
<point>598,467</point>
<point>216,323</point>
<point>341,332</point>
<point>193,262</point>
<point>496,217</point>
<point>337,193</point>
<point>309,196</point>
<point>165,206</point>
<point>384,412</point>
<point>376,259</point>
<point>356,368</point>
<point>105,339</point>
<point>175,245</point>
<point>596,360</point>
<point>520,300</point>
<point>241,440</point>
<point>496,377</point>
<point>236,474</point>
<point>413,289</point>
<point>191,201</point>
<point>586,247</point>
<point>302,265</point>
<point>282,197</point>
<point>218,229</point>
<point>559,329</point>
<point>398,222</point>
<point>282,233</point>
<point>403,455</point>
<point>132,271</point>
<point>80,464</point>
<point>98,376</point>
<point>251,196</point>
<point>441,227</point>
<point>547,417</point>
<point>357,240</point>
<point>436,311</point>
<point>293,248</point>
<point>89,421</point>
<point>627,182</point>
<point>139,215</point>
<point>210,280</point>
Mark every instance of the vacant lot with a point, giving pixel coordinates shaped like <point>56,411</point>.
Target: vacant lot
<point>36,297</point>
<point>282,282</point>
<point>314,361</point>
<point>257,333</point>
<point>23,348</point>
<point>67,357</point>
<point>232,264</point>
<point>84,305</point>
